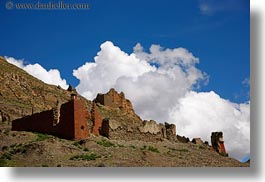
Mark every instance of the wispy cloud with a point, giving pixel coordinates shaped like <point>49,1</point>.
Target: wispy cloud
<point>246,82</point>
<point>211,7</point>
<point>205,8</point>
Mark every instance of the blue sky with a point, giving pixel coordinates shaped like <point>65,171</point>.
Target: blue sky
<point>215,32</point>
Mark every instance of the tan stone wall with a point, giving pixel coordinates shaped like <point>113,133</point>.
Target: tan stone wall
<point>148,131</point>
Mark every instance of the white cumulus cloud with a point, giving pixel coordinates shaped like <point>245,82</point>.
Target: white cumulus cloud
<point>109,65</point>
<point>160,84</point>
<point>198,114</point>
<point>152,90</point>
<point>52,76</point>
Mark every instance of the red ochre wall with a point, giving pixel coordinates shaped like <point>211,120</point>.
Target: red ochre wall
<point>72,123</point>
<point>222,148</point>
<point>97,121</point>
<point>39,122</point>
<point>80,125</point>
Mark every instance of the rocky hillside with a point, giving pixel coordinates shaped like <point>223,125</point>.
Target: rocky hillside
<point>21,94</point>
<point>34,149</point>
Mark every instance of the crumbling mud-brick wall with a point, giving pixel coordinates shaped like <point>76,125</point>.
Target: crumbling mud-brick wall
<point>117,131</point>
<point>65,126</point>
<point>170,131</point>
<point>147,131</point>
<point>96,120</point>
<point>218,143</point>
<point>114,99</point>
<point>70,125</point>
<point>142,130</point>
<point>127,133</point>
<point>183,139</point>
<point>39,122</point>
<point>197,141</point>
<point>72,122</point>
<point>80,125</point>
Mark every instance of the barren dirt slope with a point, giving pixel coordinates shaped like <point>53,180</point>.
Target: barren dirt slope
<point>34,149</point>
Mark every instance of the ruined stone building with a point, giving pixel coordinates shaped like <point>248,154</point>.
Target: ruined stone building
<point>115,100</point>
<point>131,129</point>
<point>68,120</point>
<point>110,115</point>
<point>72,120</point>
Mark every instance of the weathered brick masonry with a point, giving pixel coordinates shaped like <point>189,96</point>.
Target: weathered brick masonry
<point>71,120</point>
<point>96,120</point>
<point>72,123</point>
<point>146,131</point>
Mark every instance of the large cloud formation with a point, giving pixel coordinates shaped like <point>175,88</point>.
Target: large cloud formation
<point>198,114</point>
<point>153,82</point>
<point>52,76</point>
<point>160,84</point>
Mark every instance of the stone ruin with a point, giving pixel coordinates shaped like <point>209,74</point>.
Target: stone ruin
<point>218,143</point>
<point>197,141</point>
<point>72,120</point>
<point>68,120</point>
<point>96,120</point>
<point>115,100</point>
<point>143,130</point>
<point>183,139</point>
<point>146,131</point>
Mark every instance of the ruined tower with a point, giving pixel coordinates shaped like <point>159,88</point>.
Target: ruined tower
<point>218,143</point>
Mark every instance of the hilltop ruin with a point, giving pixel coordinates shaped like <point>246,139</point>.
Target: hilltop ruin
<point>72,120</point>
